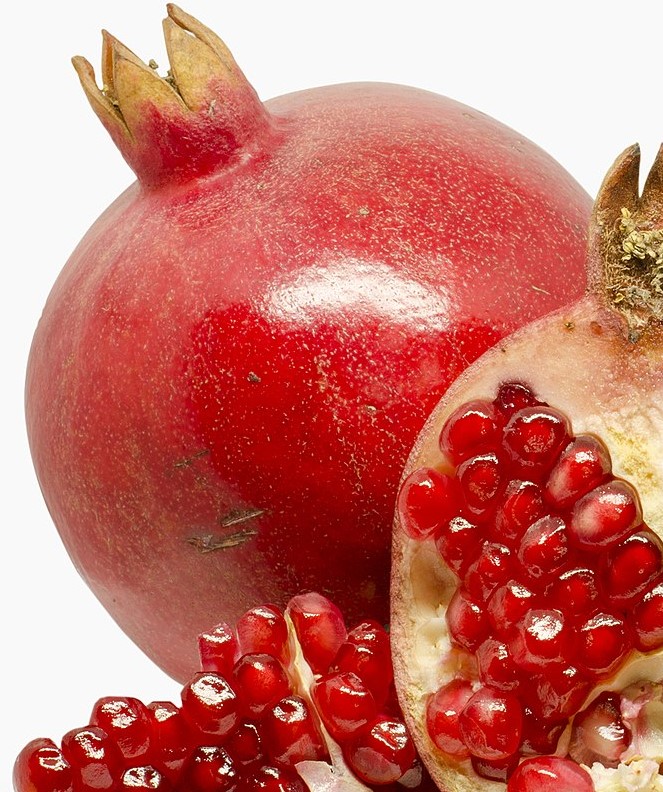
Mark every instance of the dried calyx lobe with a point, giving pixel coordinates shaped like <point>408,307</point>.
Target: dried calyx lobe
<point>281,698</point>
<point>559,580</point>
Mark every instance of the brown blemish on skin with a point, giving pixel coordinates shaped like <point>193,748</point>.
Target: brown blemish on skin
<point>238,516</point>
<point>188,461</point>
<point>596,328</point>
<point>209,543</point>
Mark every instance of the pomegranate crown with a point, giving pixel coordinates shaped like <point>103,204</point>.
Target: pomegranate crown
<point>626,244</point>
<point>202,116</point>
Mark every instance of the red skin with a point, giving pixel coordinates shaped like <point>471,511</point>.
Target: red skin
<point>230,371</point>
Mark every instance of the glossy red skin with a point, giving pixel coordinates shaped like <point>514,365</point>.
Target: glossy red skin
<point>229,372</point>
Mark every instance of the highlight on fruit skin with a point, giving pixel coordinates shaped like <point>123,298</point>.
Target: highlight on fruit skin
<point>284,702</point>
<point>527,579</point>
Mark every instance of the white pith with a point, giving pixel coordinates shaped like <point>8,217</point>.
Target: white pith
<point>578,361</point>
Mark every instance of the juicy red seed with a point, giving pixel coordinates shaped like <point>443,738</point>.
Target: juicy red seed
<point>472,428</point>
<point>289,733</point>
<point>581,467</point>
<point>507,606</point>
<point>522,504</point>
<point>218,650</point>
<point>514,396</point>
<point>535,436</point>
<point>491,724</point>
<point>575,592</point>
<point>170,737</point>
<point>127,723</point>
<point>480,478</point>
<point>210,704</point>
<point>275,779</point>
<point>144,777</point>
<point>648,619</point>
<point>602,643</point>
<point>245,745</point>
<point>458,543</point>
<point>427,500</point>
<point>605,515</point>
<point>320,629</point>
<point>381,754</point>
<point>540,736</point>
<point>496,666</point>
<point>556,693</point>
<point>260,681</point>
<point>632,566</point>
<point>549,774</point>
<point>599,733</point>
<point>95,760</point>
<point>442,713</point>
<point>344,703</point>
<point>544,548</point>
<point>367,653</point>
<point>493,567</point>
<point>263,630</point>
<point>495,769</point>
<point>209,769</point>
<point>41,767</point>
<point>541,638</point>
<point>468,625</point>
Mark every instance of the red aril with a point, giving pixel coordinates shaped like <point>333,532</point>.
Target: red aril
<point>442,717</point>
<point>41,766</point>
<point>491,724</point>
<point>579,621</point>
<point>228,375</point>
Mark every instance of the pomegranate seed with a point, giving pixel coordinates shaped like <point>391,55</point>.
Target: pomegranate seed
<point>94,758</point>
<point>581,467</point>
<point>290,735</point>
<point>575,592</point>
<point>541,638</point>
<point>442,713</point>
<point>244,744</point>
<point>127,723</point>
<point>540,736</point>
<point>495,769</point>
<point>605,515</point>
<point>599,733</point>
<point>260,681</point>
<point>170,738</point>
<point>41,767</point>
<point>468,625</point>
<point>474,427</point>
<point>602,644</point>
<point>632,566</point>
<point>381,754</point>
<point>427,500</point>
<point>648,619</point>
<point>493,567</point>
<point>458,543</point>
<point>556,693</point>
<point>496,667</point>
<point>218,650</point>
<point>144,777</point>
<point>491,724</point>
<point>549,774</point>
<point>367,653</point>
<point>275,779</point>
<point>534,436</point>
<point>507,606</point>
<point>320,629</point>
<point>522,505</point>
<point>209,769</point>
<point>263,630</point>
<point>514,396</point>
<point>344,704</point>
<point>480,478</point>
<point>544,547</point>
<point>210,705</point>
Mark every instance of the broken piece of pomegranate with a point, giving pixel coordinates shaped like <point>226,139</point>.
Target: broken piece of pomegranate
<point>288,702</point>
<point>527,587</point>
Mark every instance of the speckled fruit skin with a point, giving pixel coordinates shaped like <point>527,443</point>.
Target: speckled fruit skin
<point>232,366</point>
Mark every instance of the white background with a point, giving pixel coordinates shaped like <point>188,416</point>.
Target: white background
<point>582,79</point>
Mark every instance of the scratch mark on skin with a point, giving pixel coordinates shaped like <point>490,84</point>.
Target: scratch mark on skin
<point>188,461</point>
<point>238,516</point>
<point>209,543</point>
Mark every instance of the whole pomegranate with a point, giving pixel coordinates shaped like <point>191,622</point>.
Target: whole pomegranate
<point>528,552</point>
<point>231,368</point>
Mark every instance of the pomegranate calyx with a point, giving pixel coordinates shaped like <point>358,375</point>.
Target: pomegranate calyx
<point>626,244</point>
<point>198,118</point>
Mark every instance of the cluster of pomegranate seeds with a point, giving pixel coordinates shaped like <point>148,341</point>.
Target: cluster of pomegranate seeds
<point>244,721</point>
<point>559,579</point>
